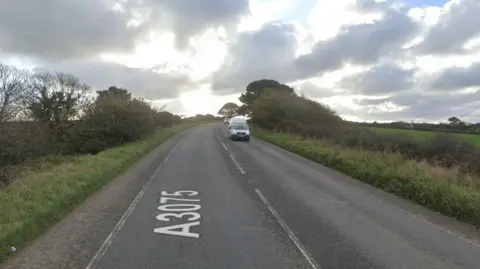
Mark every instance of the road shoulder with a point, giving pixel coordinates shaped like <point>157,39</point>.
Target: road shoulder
<point>72,242</point>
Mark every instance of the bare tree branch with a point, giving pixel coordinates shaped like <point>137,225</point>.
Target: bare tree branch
<point>14,85</point>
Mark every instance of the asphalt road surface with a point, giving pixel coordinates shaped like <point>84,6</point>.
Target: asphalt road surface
<point>216,203</point>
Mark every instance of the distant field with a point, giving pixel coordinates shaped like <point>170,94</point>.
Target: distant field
<point>472,138</point>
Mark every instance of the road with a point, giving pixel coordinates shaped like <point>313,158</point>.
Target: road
<point>216,203</point>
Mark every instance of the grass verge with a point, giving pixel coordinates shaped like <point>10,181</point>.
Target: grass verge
<point>43,195</point>
<point>443,190</point>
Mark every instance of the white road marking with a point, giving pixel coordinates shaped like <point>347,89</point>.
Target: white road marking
<point>454,233</point>
<point>224,146</point>
<point>184,229</point>
<point>288,231</point>
<point>106,244</point>
<point>179,229</point>
<point>444,229</point>
<point>239,167</point>
<point>237,164</point>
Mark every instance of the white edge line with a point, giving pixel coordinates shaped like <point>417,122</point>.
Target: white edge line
<point>236,163</point>
<point>454,232</point>
<point>106,244</point>
<point>289,232</point>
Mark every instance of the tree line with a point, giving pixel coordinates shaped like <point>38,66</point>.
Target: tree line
<point>452,125</point>
<point>55,113</point>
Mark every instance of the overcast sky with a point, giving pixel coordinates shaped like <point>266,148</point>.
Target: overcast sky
<point>369,60</point>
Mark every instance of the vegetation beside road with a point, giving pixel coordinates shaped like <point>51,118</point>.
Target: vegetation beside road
<point>423,135</point>
<point>60,141</point>
<point>44,193</point>
<point>440,172</point>
<point>444,190</point>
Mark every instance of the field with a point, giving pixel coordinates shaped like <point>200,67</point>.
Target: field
<point>41,195</point>
<point>472,138</point>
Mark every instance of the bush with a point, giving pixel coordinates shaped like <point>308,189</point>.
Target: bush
<point>443,149</point>
<point>65,121</point>
<point>282,111</point>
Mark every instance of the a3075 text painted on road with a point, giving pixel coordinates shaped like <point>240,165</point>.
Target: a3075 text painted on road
<point>176,205</point>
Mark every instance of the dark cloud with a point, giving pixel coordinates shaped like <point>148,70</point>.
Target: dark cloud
<point>379,80</point>
<point>456,78</point>
<point>58,29</point>
<point>454,28</point>
<point>430,106</point>
<point>359,44</point>
<point>266,53</point>
<point>141,82</point>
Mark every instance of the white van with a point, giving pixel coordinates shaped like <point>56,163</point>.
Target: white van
<point>237,119</point>
<point>239,131</point>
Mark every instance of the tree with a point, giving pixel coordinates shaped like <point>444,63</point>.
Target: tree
<point>115,93</point>
<point>228,110</point>
<point>242,110</point>
<point>454,120</point>
<point>58,98</point>
<point>14,85</point>
<point>256,88</point>
<point>281,111</point>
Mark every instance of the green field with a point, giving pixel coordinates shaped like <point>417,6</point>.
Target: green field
<point>472,138</point>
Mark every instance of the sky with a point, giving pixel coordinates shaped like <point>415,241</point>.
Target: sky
<point>369,60</point>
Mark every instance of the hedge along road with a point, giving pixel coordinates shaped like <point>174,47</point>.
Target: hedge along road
<point>216,203</point>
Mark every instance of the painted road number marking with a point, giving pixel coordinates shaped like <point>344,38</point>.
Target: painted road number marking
<point>185,209</point>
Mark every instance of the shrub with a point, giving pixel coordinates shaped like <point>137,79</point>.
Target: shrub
<point>282,111</point>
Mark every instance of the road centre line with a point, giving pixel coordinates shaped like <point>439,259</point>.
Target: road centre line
<point>237,164</point>
<point>106,244</point>
<point>239,167</point>
<point>224,146</point>
<point>288,231</point>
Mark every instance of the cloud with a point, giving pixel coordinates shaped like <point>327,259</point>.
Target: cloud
<point>188,18</point>
<point>313,91</point>
<point>361,44</point>
<point>457,78</point>
<point>270,52</point>
<point>58,29</point>
<point>420,60</point>
<point>417,104</point>
<point>266,53</point>
<point>379,80</point>
<point>141,82</point>
<point>458,24</point>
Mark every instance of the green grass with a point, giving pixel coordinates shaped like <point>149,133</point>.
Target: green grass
<point>43,195</point>
<point>472,138</point>
<point>443,190</point>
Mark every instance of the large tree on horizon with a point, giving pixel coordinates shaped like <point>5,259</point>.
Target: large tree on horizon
<point>228,110</point>
<point>255,89</point>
